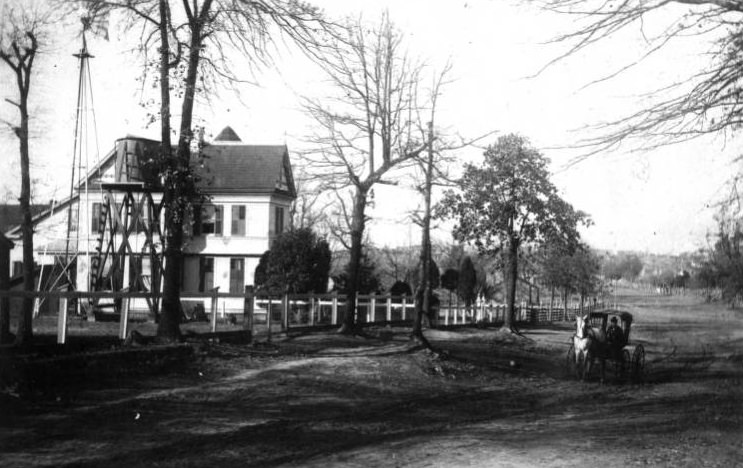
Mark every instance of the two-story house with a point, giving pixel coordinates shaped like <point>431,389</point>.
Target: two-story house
<point>249,191</point>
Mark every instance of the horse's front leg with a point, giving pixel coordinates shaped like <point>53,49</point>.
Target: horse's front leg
<point>587,367</point>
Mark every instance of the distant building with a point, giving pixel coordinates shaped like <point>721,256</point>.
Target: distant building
<point>250,189</point>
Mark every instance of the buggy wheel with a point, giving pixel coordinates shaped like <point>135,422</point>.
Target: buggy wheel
<point>638,364</point>
<point>570,361</point>
<point>624,361</point>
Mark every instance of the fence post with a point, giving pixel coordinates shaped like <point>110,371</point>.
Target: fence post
<point>389,307</point>
<point>404,308</point>
<point>268,318</point>
<point>248,306</point>
<point>456,310</point>
<point>311,301</point>
<point>285,312</point>
<point>62,321</point>
<point>215,291</point>
<point>334,309</point>
<point>124,319</point>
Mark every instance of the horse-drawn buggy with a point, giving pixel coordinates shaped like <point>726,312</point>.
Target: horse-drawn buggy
<point>605,336</point>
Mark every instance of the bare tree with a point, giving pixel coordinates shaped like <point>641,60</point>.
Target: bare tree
<point>432,171</point>
<point>366,130</point>
<point>708,101</point>
<point>308,209</point>
<point>201,36</point>
<point>20,31</point>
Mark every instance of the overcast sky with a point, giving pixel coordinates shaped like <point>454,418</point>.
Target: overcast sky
<point>654,201</point>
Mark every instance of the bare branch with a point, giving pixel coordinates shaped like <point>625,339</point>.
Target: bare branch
<point>13,102</point>
<point>710,101</point>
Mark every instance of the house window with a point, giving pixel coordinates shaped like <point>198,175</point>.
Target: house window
<point>95,218</point>
<point>238,220</point>
<point>278,220</point>
<point>73,219</point>
<point>211,219</point>
<point>237,275</point>
<point>206,274</point>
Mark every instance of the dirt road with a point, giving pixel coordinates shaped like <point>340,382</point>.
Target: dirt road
<point>325,400</point>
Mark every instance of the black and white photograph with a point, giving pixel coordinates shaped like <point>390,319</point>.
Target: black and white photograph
<point>371,233</point>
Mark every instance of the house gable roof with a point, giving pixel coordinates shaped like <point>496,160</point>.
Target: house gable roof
<point>227,134</point>
<point>246,169</point>
<point>11,215</point>
<point>228,167</point>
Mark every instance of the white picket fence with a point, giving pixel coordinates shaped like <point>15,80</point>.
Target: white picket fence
<point>260,314</point>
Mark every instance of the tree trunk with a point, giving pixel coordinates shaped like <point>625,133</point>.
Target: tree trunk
<point>5,336</point>
<point>565,304</point>
<point>423,295</point>
<point>168,332</point>
<point>179,189</point>
<point>552,300</point>
<point>25,326</point>
<point>358,221</point>
<point>511,276</point>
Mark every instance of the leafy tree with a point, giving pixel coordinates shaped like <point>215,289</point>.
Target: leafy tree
<point>467,284</point>
<point>19,44</point>
<point>450,255</point>
<point>259,277</point>
<point>297,263</point>
<point>401,288</point>
<point>570,269</point>
<point>197,36</point>
<point>555,272</point>
<point>631,267</point>
<point>450,279</point>
<point>585,268</point>
<point>627,266</point>
<point>611,268</point>
<point>724,265</point>
<point>507,201</point>
<point>368,281</point>
<point>434,275</point>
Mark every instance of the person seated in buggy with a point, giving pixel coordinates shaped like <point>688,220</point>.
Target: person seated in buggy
<point>614,336</point>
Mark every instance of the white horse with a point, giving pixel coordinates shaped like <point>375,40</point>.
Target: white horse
<point>587,345</point>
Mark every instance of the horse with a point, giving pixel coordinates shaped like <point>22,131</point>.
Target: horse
<point>588,344</point>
